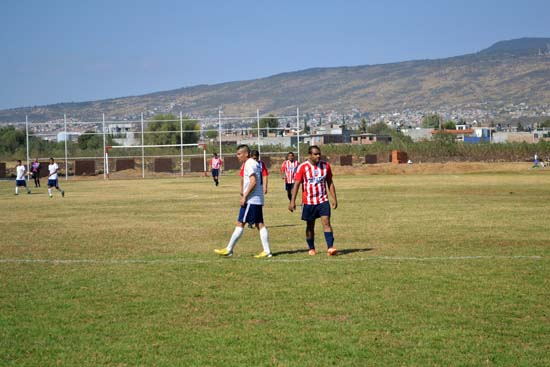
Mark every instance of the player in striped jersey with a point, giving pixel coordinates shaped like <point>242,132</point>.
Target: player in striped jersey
<point>288,169</point>
<point>314,175</point>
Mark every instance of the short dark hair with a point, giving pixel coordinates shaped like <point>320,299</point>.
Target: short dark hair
<point>215,154</point>
<point>255,153</point>
<point>290,153</point>
<point>19,161</point>
<point>51,158</point>
<point>244,147</point>
<point>313,147</point>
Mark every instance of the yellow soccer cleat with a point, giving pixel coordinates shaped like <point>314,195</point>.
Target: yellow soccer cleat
<point>263,254</point>
<point>223,252</point>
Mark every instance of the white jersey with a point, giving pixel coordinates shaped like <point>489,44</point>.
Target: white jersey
<point>251,167</point>
<point>53,168</point>
<point>20,172</point>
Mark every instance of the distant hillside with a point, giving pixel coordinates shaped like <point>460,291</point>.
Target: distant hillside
<point>507,72</point>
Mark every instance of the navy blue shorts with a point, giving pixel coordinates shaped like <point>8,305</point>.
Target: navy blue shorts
<point>215,172</point>
<point>53,183</point>
<point>289,186</point>
<point>21,183</point>
<point>312,212</point>
<point>251,214</point>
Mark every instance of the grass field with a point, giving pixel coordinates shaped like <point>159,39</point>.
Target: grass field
<point>434,270</point>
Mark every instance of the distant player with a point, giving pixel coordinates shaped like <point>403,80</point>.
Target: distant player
<point>52,178</point>
<point>314,175</point>
<point>35,171</point>
<point>215,165</point>
<point>20,180</point>
<point>252,201</point>
<point>288,169</point>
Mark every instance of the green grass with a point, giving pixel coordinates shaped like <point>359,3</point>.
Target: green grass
<point>435,270</point>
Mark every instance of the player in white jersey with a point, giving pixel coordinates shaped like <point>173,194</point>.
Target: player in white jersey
<point>52,179</point>
<point>252,201</point>
<point>20,180</point>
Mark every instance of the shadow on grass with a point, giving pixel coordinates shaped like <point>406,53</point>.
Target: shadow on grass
<point>340,252</point>
<point>283,225</point>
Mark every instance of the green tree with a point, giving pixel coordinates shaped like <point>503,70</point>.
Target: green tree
<point>546,123</point>
<point>165,129</point>
<point>91,140</point>
<point>363,126</point>
<point>432,121</point>
<point>269,122</point>
<point>449,125</point>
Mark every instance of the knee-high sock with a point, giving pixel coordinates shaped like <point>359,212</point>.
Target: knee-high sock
<point>264,237</point>
<point>234,238</point>
<point>329,237</point>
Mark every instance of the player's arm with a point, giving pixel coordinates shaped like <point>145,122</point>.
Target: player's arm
<point>250,188</point>
<point>332,190</point>
<point>283,175</point>
<point>292,203</point>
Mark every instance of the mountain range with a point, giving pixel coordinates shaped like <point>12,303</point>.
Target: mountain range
<point>513,71</point>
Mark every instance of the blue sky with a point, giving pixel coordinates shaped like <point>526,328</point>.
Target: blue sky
<point>71,51</point>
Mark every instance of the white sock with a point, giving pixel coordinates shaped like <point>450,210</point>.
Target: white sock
<point>264,237</point>
<point>17,189</point>
<point>234,238</point>
<point>50,192</point>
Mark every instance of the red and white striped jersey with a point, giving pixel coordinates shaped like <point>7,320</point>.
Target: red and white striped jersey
<point>314,181</point>
<point>289,169</point>
<point>215,163</point>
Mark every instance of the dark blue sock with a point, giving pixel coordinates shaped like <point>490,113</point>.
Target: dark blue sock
<point>329,237</point>
<point>310,243</point>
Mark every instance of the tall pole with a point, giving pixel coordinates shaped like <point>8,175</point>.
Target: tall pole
<point>142,149</point>
<point>181,143</point>
<point>104,152</point>
<point>258,122</point>
<point>66,137</point>
<point>298,131</point>
<point>219,135</point>
<point>27,134</point>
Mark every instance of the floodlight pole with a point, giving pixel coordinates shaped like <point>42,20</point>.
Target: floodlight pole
<point>104,151</point>
<point>219,137</point>
<point>142,149</point>
<point>27,137</point>
<point>258,122</point>
<point>66,163</point>
<point>181,143</point>
<point>298,131</point>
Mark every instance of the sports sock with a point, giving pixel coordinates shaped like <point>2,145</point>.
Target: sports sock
<point>329,237</point>
<point>50,192</point>
<point>310,243</point>
<point>16,190</point>
<point>234,238</point>
<point>264,237</point>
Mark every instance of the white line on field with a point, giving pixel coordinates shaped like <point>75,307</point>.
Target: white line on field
<point>197,261</point>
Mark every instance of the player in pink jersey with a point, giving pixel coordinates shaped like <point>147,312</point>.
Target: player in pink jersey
<point>215,164</point>
<point>288,169</point>
<point>314,175</point>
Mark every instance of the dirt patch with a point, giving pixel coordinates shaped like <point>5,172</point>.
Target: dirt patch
<point>436,168</point>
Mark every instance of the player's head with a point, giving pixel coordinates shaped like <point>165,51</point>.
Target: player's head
<point>314,154</point>
<point>255,154</point>
<point>290,156</point>
<point>243,152</point>
<point>51,160</point>
<point>19,162</point>
<point>215,155</point>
